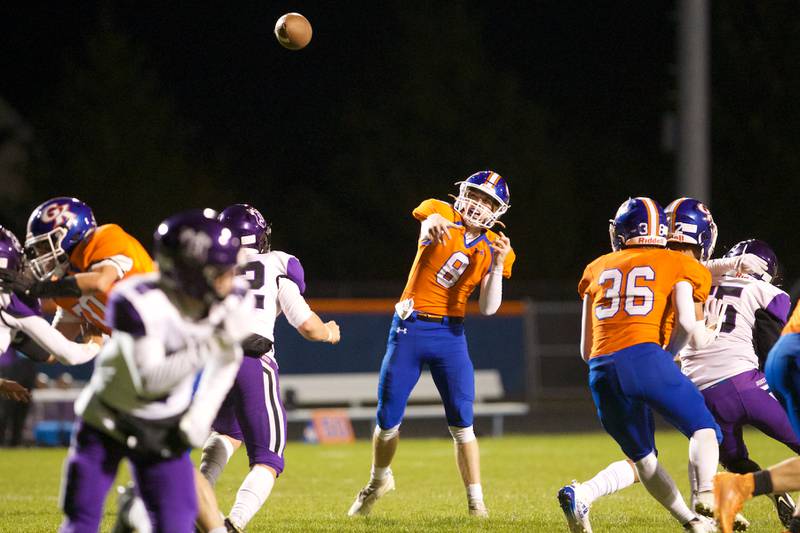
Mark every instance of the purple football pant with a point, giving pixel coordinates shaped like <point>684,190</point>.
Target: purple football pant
<point>742,400</point>
<point>253,413</point>
<point>166,485</point>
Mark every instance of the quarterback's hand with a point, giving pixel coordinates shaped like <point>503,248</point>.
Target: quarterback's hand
<point>500,248</point>
<point>14,281</point>
<point>14,391</point>
<point>714,312</point>
<point>334,335</point>
<point>436,228</point>
<point>751,264</point>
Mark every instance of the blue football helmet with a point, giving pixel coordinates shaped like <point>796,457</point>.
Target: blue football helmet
<point>193,249</point>
<point>55,228</point>
<point>492,185</point>
<point>249,225</point>
<point>10,251</point>
<point>639,221</point>
<point>691,222</point>
<point>762,250</point>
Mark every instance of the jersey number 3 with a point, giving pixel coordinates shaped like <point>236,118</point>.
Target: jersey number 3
<point>638,298</point>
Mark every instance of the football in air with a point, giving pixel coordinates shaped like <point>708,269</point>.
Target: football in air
<point>293,31</point>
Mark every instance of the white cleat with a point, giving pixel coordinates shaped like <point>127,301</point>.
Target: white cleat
<point>701,524</point>
<point>704,506</point>
<point>576,511</point>
<point>478,508</point>
<point>367,497</point>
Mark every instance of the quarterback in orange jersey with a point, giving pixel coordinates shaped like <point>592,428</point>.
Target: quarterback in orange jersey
<point>628,297</point>
<point>457,252</point>
<point>76,263</point>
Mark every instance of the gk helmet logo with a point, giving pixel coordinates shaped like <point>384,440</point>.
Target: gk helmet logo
<point>58,214</point>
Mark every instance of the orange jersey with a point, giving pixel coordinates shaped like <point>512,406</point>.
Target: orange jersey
<point>107,245</point>
<point>793,325</point>
<point>631,295</point>
<point>444,275</point>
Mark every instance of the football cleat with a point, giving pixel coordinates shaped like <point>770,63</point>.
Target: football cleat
<point>701,524</point>
<point>478,508</point>
<point>784,504</point>
<point>126,496</point>
<point>730,493</point>
<point>367,497</point>
<point>575,510</point>
<point>230,527</point>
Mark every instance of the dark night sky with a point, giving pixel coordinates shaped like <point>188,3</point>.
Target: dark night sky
<point>601,75</point>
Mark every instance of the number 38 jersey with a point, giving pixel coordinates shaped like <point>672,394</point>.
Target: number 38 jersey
<point>277,282</point>
<point>444,275</point>
<point>631,295</point>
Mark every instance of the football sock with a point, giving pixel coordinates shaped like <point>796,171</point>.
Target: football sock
<point>379,473</point>
<point>794,525</point>
<point>475,492</point>
<point>704,457</point>
<point>220,529</point>
<point>762,483</point>
<point>138,517</point>
<point>661,487</point>
<point>611,479</point>
<point>217,452</point>
<point>252,494</point>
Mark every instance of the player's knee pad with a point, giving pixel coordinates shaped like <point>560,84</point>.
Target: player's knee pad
<point>218,448</point>
<point>462,435</point>
<point>387,434</point>
<point>646,466</point>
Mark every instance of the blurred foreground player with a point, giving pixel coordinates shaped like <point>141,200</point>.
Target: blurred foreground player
<point>139,404</point>
<point>457,251</point>
<point>253,411</point>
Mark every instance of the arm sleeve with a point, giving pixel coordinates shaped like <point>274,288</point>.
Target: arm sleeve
<point>586,329</point>
<point>292,303</point>
<point>158,372</point>
<point>491,295</point>
<point>685,320</point>
<point>51,341</point>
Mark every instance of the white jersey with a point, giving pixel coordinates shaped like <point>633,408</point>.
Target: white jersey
<point>277,283</point>
<point>20,316</point>
<point>733,351</point>
<point>149,366</point>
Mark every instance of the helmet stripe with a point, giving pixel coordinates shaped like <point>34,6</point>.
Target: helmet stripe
<point>652,217</point>
<point>674,208</point>
<point>491,178</point>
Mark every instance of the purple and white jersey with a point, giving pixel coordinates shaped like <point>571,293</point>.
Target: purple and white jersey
<point>12,309</point>
<point>277,282</point>
<point>149,365</point>
<point>733,351</point>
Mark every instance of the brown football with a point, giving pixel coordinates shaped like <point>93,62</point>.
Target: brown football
<point>293,31</point>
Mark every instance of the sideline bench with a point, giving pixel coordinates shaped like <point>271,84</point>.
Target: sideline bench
<point>356,393</point>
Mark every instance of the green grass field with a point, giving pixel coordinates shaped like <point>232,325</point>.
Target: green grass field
<point>521,477</point>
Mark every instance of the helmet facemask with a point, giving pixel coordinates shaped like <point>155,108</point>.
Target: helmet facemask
<point>477,213</point>
<point>45,256</point>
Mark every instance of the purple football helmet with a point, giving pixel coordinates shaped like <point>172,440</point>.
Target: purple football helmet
<point>691,222</point>
<point>192,250</point>
<point>762,250</point>
<point>55,228</point>
<point>639,221</point>
<point>249,225</point>
<point>492,185</point>
<point>10,251</point>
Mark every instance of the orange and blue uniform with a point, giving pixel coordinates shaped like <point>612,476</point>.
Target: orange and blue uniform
<point>109,244</point>
<point>783,369</point>
<point>630,300</point>
<point>442,278</point>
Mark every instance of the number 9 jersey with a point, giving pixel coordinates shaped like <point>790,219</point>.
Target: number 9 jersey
<point>630,293</point>
<point>444,275</point>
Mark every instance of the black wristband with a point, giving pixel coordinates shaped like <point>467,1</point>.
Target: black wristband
<point>794,525</point>
<point>64,288</point>
<point>762,481</point>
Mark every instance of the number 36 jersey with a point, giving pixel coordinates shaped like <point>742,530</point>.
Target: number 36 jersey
<point>277,282</point>
<point>444,275</point>
<point>631,295</point>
